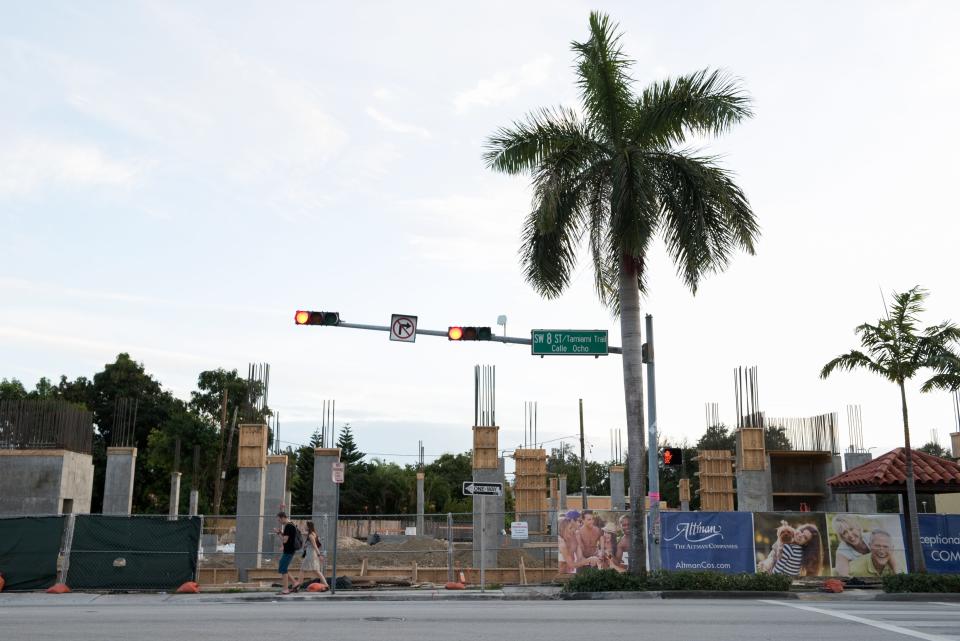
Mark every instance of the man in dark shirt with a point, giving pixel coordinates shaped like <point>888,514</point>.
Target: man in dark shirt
<point>288,534</point>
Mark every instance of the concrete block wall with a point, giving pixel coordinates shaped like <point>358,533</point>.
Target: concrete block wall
<point>34,482</point>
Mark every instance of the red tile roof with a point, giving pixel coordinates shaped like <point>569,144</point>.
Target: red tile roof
<point>889,471</point>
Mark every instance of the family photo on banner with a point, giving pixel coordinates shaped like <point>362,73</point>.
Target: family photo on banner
<point>593,539</point>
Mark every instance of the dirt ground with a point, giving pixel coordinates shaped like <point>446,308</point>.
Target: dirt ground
<point>428,553</point>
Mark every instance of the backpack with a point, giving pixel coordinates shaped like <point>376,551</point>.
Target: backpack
<point>297,538</point>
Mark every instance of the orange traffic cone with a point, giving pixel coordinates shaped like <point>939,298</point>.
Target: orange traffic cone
<point>59,588</point>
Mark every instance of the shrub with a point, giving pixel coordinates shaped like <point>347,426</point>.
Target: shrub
<point>593,580</point>
<point>921,583</point>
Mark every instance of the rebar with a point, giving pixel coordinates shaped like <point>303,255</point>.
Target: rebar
<point>124,422</point>
<point>815,433</point>
<point>484,395</point>
<point>45,424</point>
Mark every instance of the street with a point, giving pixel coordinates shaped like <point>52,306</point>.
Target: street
<point>134,617</point>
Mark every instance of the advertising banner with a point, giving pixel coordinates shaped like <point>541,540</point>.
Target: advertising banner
<point>940,540</point>
<point>791,543</point>
<point>717,541</point>
<point>867,545</point>
<point>593,538</point>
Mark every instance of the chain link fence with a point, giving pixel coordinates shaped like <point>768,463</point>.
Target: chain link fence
<point>404,549</point>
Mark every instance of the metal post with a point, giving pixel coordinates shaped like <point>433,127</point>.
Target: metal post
<point>483,532</point>
<point>583,463</point>
<point>336,520</point>
<point>449,547</point>
<point>652,451</point>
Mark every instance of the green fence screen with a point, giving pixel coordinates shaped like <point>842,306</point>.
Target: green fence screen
<point>29,547</point>
<point>133,553</point>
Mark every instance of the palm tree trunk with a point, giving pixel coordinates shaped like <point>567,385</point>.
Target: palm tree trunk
<point>913,522</point>
<point>633,397</point>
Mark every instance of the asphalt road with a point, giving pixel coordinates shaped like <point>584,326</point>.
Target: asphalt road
<point>694,620</point>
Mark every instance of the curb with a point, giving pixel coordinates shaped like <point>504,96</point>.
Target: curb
<point>953,597</point>
<point>603,596</point>
<point>727,594</point>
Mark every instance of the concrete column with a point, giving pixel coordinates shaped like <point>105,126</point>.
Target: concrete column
<point>562,495</point>
<point>194,502</point>
<point>251,461</point>
<point>118,485</point>
<point>324,493</point>
<point>754,490</point>
<point>859,503</point>
<point>617,493</point>
<point>288,500</point>
<point>486,469</point>
<point>955,444</point>
<point>501,501</point>
<point>174,494</point>
<point>249,537</point>
<point>832,502</point>
<point>420,504</point>
<point>275,487</point>
<point>554,502</point>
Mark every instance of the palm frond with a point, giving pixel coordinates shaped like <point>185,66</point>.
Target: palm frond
<point>852,360</point>
<point>633,207</point>
<point>705,215</point>
<point>705,102</point>
<point>942,382</point>
<point>524,146</point>
<point>603,78</point>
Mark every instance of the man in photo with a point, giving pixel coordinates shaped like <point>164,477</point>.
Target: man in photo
<point>589,535</point>
<point>880,560</point>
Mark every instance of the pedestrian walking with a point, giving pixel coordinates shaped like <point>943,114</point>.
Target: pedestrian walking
<point>313,558</point>
<point>292,541</point>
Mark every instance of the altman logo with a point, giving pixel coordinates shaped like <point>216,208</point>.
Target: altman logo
<point>696,532</point>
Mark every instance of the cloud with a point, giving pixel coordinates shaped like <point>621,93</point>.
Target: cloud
<point>394,126</point>
<point>32,164</point>
<point>504,85</point>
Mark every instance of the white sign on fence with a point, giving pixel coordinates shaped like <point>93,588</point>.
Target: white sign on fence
<point>337,472</point>
<point>519,530</point>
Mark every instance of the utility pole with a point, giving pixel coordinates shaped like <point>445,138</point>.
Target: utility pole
<point>583,463</point>
<point>652,451</point>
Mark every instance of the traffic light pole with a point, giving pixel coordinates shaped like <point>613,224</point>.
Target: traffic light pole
<point>653,470</point>
<point>514,340</point>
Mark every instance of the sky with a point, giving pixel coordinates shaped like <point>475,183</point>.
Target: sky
<point>176,179</point>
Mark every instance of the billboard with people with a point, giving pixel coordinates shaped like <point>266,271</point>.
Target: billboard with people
<point>797,544</point>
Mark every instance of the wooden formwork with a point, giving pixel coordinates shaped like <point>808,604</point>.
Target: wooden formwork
<point>485,448</point>
<point>716,480</point>
<point>684,489</point>
<point>753,455</point>
<point>253,446</point>
<point>530,484</point>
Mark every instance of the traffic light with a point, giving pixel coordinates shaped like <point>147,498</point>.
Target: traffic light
<point>304,317</point>
<point>459,333</point>
<point>672,456</point>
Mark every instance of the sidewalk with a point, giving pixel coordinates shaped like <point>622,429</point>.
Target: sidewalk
<point>510,593</point>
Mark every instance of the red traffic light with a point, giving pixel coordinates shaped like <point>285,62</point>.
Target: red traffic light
<point>304,317</point>
<point>464,333</point>
<point>667,457</point>
<point>672,456</point>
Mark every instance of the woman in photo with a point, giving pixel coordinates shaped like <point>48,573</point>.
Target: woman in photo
<point>608,549</point>
<point>853,544</point>
<point>312,556</point>
<point>811,562</point>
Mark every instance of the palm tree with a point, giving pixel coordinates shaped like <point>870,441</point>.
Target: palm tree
<point>896,349</point>
<point>619,174</point>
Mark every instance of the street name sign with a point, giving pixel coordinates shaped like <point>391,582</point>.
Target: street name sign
<point>568,342</point>
<point>473,488</point>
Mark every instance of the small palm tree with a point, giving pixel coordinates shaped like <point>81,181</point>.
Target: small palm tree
<point>619,175</point>
<point>897,349</point>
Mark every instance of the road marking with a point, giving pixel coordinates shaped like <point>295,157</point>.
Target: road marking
<point>953,605</point>
<point>889,627</point>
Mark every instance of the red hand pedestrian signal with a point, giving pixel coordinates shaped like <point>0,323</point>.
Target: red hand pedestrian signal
<point>672,456</point>
<point>667,456</point>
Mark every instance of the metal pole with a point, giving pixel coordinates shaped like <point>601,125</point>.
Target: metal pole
<point>583,463</point>
<point>652,451</point>
<point>336,519</point>
<point>483,536</point>
<point>449,547</point>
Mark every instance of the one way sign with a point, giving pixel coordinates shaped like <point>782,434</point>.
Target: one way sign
<point>471,488</point>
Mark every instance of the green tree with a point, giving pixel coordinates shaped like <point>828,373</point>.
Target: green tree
<point>12,390</point>
<point>301,485</point>
<point>620,175</point>
<point>897,349</point>
<point>775,438</point>
<point>718,437</point>
<point>349,452</point>
<point>935,449</point>
<point>443,480</point>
